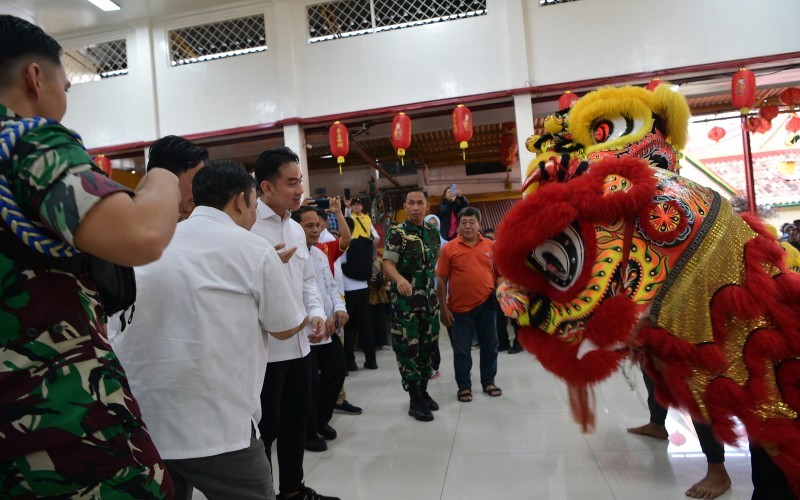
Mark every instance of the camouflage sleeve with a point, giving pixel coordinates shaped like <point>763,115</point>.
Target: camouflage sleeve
<point>60,181</point>
<point>393,245</point>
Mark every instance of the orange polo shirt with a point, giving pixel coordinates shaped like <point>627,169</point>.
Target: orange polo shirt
<point>470,272</point>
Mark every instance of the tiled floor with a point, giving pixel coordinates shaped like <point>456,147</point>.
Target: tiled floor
<point>522,445</point>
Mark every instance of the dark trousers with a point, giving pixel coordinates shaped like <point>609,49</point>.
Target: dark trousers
<point>357,303</point>
<point>328,369</point>
<point>501,321</point>
<point>713,449</point>
<point>380,323</point>
<point>284,406</point>
<point>479,322</point>
<point>769,482</point>
<point>241,474</point>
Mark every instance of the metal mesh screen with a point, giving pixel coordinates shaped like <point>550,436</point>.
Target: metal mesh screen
<point>230,38</point>
<point>553,2</point>
<point>344,18</point>
<point>394,14</point>
<point>330,20</point>
<point>97,61</point>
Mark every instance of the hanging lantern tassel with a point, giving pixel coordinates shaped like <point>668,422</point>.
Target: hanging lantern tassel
<point>340,142</point>
<point>462,128</point>
<point>401,134</point>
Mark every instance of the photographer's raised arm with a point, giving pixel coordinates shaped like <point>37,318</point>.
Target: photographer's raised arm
<point>133,231</point>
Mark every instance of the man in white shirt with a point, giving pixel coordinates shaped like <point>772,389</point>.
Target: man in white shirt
<point>286,394</point>
<point>196,350</point>
<point>328,366</point>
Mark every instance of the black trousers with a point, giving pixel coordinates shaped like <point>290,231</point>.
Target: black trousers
<point>503,342</point>
<point>357,303</point>
<point>284,407</point>
<point>328,369</point>
<point>380,323</point>
<point>769,482</point>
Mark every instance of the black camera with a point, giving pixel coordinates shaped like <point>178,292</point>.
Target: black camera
<point>322,203</point>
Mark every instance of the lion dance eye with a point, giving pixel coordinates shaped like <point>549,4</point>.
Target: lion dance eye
<point>602,131</point>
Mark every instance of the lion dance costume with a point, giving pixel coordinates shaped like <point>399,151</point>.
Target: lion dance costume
<point>612,254</point>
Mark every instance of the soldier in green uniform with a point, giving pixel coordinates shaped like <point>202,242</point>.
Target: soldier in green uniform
<point>409,260</point>
<point>69,426</point>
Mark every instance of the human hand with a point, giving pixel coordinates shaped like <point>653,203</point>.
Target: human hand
<point>446,316</point>
<point>287,254</point>
<point>404,287</point>
<point>317,330</point>
<point>335,205</point>
<point>330,326</point>
<point>458,194</point>
<point>341,318</point>
<point>347,203</point>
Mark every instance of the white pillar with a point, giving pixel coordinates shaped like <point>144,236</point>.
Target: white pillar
<point>294,138</point>
<point>523,114</point>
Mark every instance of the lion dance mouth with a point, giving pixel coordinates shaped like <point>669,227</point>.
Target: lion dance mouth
<point>611,256</point>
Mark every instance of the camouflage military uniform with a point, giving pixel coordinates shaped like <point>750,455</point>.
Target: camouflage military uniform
<point>415,319</point>
<point>69,426</point>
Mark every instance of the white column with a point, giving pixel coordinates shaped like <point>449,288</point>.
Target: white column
<point>523,114</point>
<point>294,138</point>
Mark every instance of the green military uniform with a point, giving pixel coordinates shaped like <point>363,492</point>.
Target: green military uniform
<point>415,319</point>
<point>69,426</point>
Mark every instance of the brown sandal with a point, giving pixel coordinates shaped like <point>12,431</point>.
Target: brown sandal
<point>492,390</point>
<point>464,395</point>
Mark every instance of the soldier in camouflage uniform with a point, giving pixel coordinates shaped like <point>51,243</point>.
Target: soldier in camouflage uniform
<point>69,426</point>
<point>409,260</point>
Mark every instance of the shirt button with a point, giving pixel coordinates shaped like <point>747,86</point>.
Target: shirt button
<point>31,333</point>
<point>56,329</point>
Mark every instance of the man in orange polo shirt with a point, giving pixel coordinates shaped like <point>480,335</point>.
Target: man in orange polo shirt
<point>467,282</point>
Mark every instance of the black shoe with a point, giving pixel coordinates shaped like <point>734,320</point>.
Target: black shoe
<point>371,366</point>
<point>418,408</point>
<point>347,408</point>
<point>515,349</point>
<point>306,493</point>
<point>327,432</point>
<point>352,366</point>
<point>433,405</point>
<point>315,443</point>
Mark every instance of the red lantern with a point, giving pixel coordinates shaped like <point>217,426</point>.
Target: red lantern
<point>566,100</point>
<point>655,82</point>
<point>104,163</point>
<point>768,113</point>
<point>401,134</point>
<point>764,126</point>
<point>790,96</point>
<point>752,123</point>
<point>793,125</point>
<point>743,90</point>
<point>716,134</point>
<point>462,127</point>
<point>340,142</point>
<point>508,145</point>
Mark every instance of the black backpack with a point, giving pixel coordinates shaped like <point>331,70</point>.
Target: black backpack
<point>359,259</point>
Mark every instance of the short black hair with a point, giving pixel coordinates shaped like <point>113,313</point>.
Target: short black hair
<point>322,214</point>
<point>297,215</point>
<point>20,39</point>
<point>215,185</point>
<point>469,212</point>
<point>175,154</point>
<point>270,161</point>
<point>418,190</point>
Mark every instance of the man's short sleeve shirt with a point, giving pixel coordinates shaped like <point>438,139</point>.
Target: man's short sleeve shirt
<point>57,370</point>
<point>414,250</point>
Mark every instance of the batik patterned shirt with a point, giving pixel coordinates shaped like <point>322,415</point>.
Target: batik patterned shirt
<point>59,379</point>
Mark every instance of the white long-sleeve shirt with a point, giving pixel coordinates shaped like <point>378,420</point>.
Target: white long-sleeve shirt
<point>282,229</point>
<point>331,298</point>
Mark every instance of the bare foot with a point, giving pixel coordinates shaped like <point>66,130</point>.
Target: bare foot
<point>651,429</point>
<point>713,485</point>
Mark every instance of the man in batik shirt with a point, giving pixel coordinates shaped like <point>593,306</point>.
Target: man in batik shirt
<point>69,426</point>
<point>409,260</point>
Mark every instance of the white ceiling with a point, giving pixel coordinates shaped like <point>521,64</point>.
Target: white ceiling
<point>60,17</point>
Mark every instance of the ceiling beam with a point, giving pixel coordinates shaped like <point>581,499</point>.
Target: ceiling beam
<point>358,149</point>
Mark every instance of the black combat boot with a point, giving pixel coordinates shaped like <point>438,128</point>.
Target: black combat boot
<point>418,407</point>
<point>432,405</point>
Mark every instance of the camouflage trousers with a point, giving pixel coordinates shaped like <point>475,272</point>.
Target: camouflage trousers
<point>114,463</point>
<point>414,336</point>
